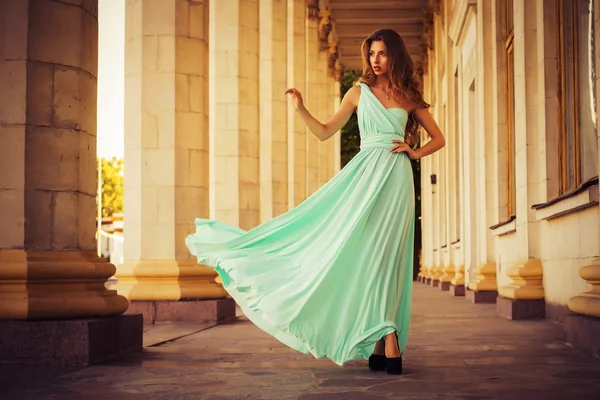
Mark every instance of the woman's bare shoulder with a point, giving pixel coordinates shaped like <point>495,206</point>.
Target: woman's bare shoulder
<point>353,94</point>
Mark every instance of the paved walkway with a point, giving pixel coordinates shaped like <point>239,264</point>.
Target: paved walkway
<point>457,350</point>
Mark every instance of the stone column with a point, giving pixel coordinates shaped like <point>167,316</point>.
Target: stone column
<point>331,141</point>
<point>273,109</point>
<point>296,75</point>
<point>447,272</point>
<point>437,270</point>
<point>312,101</point>
<point>336,139</point>
<point>523,298</point>
<point>483,289</point>
<point>324,113</point>
<point>166,159</point>
<point>234,126</point>
<point>457,283</point>
<point>48,264</point>
<point>426,204</point>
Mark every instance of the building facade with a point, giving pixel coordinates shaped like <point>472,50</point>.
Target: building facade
<point>510,205</point>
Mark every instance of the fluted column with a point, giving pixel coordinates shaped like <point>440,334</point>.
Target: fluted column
<point>296,75</point>
<point>48,87</point>
<point>273,109</point>
<point>336,139</point>
<point>166,151</point>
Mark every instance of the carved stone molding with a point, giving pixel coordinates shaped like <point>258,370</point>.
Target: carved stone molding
<point>325,28</point>
<point>338,69</point>
<point>458,19</point>
<point>313,8</point>
<point>429,33</point>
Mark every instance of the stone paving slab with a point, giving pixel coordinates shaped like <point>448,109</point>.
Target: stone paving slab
<point>457,350</point>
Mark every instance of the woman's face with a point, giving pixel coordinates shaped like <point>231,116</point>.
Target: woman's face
<point>378,57</point>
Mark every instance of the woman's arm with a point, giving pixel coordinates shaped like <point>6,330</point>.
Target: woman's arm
<point>336,122</point>
<point>424,117</point>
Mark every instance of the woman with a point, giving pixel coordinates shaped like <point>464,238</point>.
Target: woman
<point>333,276</point>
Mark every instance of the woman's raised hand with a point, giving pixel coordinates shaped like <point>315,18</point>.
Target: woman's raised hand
<point>297,101</point>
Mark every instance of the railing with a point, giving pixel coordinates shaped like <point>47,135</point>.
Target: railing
<point>111,246</point>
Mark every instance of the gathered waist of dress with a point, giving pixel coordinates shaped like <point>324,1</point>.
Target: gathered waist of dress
<point>375,140</point>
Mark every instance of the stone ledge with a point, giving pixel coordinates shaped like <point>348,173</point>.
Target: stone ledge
<point>199,311</point>
<point>457,290</point>
<point>520,309</point>
<point>481,296</point>
<point>583,333</point>
<point>70,342</point>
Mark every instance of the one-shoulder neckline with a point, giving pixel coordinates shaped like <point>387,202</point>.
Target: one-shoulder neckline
<point>381,104</point>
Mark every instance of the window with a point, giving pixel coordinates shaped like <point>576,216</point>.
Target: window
<point>511,187</point>
<point>578,151</point>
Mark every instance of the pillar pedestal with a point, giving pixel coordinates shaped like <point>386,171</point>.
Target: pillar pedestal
<point>55,309</point>
<point>457,284</point>
<point>434,276</point>
<point>174,291</point>
<point>524,298</point>
<point>484,289</point>
<point>446,275</point>
<point>71,342</point>
<point>422,276</point>
<point>583,327</point>
<point>54,306</point>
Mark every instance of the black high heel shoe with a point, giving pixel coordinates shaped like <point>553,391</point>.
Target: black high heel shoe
<point>377,362</point>
<point>394,365</point>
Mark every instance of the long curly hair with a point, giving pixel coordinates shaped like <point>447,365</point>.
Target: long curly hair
<point>401,72</point>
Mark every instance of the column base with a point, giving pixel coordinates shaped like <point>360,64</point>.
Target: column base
<point>70,342</point>
<point>444,286</point>
<point>218,310</point>
<point>420,279</point>
<point>427,281</point>
<point>457,290</point>
<point>481,296</point>
<point>434,283</point>
<point>583,333</point>
<point>520,309</point>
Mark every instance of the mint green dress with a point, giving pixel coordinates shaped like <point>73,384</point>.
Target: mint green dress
<point>334,275</point>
